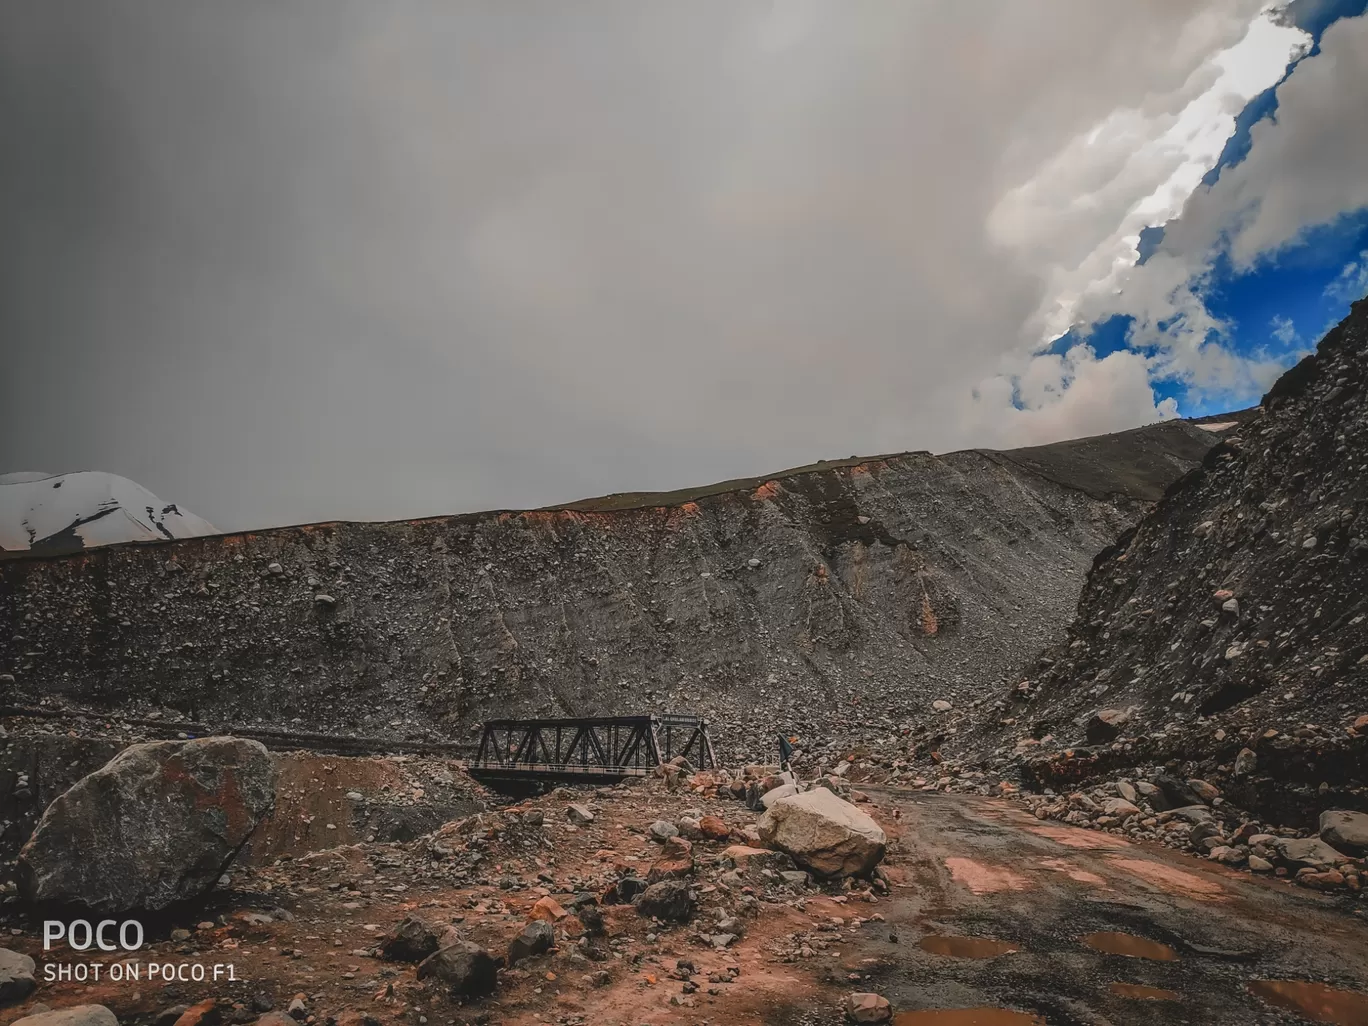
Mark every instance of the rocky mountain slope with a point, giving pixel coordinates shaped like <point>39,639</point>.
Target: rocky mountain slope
<point>58,513</point>
<point>1227,634</point>
<point>839,599</point>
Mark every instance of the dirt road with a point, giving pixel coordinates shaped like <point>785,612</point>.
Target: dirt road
<point>1194,936</point>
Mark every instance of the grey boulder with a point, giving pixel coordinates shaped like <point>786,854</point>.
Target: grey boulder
<point>1345,831</point>
<point>164,818</point>
<point>1307,851</point>
<point>823,833</point>
<point>16,976</point>
<point>76,1015</point>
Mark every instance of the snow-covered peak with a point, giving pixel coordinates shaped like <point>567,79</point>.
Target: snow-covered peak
<point>68,512</point>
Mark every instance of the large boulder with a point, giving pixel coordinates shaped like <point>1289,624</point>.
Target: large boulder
<point>16,976</point>
<point>1301,852</point>
<point>823,833</point>
<point>157,824</point>
<point>1345,831</point>
<point>76,1015</point>
<point>464,969</point>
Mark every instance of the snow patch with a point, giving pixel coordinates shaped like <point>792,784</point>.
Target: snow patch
<point>68,512</point>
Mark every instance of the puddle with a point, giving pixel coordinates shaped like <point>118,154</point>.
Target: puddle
<point>1139,992</point>
<point>967,947</point>
<point>983,879</point>
<point>1127,944</point>
<point>1315,1001</point>
<point>967,1017</point>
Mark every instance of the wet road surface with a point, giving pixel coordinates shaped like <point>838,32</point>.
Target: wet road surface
<point>1103,930</point>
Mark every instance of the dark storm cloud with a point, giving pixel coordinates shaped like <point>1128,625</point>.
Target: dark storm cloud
<point>326,259</point>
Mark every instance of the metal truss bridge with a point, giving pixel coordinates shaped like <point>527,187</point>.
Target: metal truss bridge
<point>589,750</point>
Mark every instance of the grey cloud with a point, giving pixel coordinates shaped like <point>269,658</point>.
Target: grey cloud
<point>331,259</point>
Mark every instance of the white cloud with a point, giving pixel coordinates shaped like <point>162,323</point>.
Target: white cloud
<point>1352,281</point>
<point>1284,331</point>
<point>1073,394</point>
<point>1081,214</point>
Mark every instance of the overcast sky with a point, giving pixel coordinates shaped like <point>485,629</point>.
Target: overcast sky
<point>326,259</point>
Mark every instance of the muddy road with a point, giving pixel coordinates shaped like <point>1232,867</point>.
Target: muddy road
<point>1079,926</point>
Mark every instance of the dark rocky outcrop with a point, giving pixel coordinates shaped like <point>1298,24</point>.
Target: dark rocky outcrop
<point>842,597</point>
<point>1232,622</point>
<point>158,824</point>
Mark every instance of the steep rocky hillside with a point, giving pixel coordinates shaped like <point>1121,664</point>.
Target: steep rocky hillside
<point>848,596</point>
<point>1235,616</point>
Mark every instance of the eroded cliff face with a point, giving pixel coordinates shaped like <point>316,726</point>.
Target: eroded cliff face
<point>847,597</point>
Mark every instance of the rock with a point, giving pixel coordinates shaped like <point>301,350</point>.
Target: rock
<point>1105,725</point>
<point>1245,763</point>
<point>670,900</point>
<point>1119,807</point>
<point>1176,792</point>
<point>16,976</point>
<point>1127,791</point>
<point>1203,832</point>
<point>463,968</point>
<point>1260,865</point>
<point>662,830</point>
<point>579,815</point>
<point>537,938</point>
<point>411,940</point>
<point>713,828</point>
<point>1345,831</point>
<point>794,877</point>
<point>753,860</point>
<point>823,833</point>
<point>1189,813</point>
<point>278,1019</point>
<point>1231,606</point>
<point>166,818</point>
<point>778,794</point>
<point>941,705</point>
<point>548,910</point>
<point>676,860</point>
<point>1206,792</point>
<point>1360,725</point>
<point>1329,880</point>
<point>867,1008</point>
<point>625,891</point>
<point>76,1015</point>
<point>1306,851</point>
<point>689,828</point>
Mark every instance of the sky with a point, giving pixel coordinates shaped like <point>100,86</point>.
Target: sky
<point>332,259</point>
